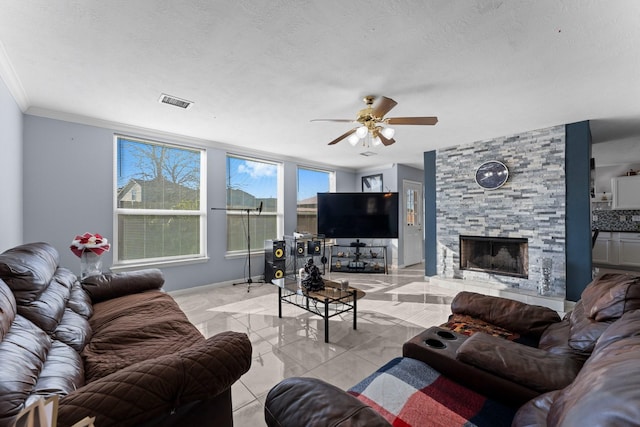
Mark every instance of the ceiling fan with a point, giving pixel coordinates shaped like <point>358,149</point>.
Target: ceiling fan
<point>372,122</point>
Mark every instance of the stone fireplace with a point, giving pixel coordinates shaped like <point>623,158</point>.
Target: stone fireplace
<point>529,210</point>
<point>495,255</point>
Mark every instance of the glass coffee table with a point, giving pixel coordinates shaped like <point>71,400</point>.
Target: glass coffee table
<point>327,303</point>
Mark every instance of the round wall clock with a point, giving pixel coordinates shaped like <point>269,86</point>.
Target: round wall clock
<point>492,174</point>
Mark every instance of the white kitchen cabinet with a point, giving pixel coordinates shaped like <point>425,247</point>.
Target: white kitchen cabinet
<point>617,248</point>
<point>629,249</point>
<point>626,192</point>
<point>602,252</point>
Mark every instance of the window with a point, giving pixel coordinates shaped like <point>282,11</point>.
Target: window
<point>310,183</point>
<point>251,183</point>
<point>160,206</point>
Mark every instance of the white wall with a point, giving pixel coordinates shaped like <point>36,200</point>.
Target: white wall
<point>68,189</point>
<point>10,170</point>
<point>603,175</point>
<point>613,158</point>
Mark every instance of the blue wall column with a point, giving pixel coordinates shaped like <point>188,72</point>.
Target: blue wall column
<point>578,223</point>
<point>430,233</point>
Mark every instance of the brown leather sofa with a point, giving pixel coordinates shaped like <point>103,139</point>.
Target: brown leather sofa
<point>581,370</point>
<point>115,347</point>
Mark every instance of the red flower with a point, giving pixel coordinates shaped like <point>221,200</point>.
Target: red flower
<point>89,242</point>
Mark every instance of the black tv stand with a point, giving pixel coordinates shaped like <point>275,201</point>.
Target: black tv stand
<point>353,259</point>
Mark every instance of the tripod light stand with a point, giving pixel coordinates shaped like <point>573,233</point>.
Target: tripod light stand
<point>249,280</point>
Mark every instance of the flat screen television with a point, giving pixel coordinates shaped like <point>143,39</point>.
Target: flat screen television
<point>358,215</point>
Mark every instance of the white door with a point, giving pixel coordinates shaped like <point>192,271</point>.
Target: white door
<point>412,215</point>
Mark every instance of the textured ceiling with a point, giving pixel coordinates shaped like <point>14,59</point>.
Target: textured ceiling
<point>259,71</point>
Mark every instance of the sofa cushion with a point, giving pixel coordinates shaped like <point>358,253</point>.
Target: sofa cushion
<point>609,296</point>
<point>555,340</point>
<point>28,269</point>
<point>534,368</point>
<point>311,402</point>
<point>134,328</point>
<point>79,301</point>
<point>112,285</point>
<point>515,316</point>
<point>23,351</point>
<point>61,373</point>
<point>534,412</point>
<point>584,331</point>
<point>606,391</point>
<point>158,386</point>
<point>8,309</point>
<point>73,330</point>
<point>627,326</point>
<point>47,308</point>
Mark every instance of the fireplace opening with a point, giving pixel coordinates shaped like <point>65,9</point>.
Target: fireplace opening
<point>497,255</point>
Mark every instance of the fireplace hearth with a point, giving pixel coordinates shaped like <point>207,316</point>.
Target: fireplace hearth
<point>496,255</point>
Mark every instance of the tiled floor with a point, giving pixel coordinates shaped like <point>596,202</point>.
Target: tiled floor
<point>397,307</point>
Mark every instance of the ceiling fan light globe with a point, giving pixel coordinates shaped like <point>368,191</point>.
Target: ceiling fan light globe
<point>361,132</point>
<point>353,139</point>
<point>376,141</point>
<point>388,132</point>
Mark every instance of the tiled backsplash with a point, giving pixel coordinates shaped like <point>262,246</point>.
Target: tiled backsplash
<point>615,220</point>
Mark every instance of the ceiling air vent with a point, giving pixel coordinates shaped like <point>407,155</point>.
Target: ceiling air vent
<point>368,153</point>
<point>177,102</point>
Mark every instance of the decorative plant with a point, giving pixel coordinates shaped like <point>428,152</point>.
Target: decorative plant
<point>90,242</point>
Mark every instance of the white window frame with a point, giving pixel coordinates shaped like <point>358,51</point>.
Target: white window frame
<point>279,214</point>
<point>202,212</point>
<point>332,184</point>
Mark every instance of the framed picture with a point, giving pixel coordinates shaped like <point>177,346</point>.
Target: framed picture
<point>372,183</point>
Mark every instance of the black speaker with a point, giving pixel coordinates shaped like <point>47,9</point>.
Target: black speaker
<point>314,247</point>
<point>299,249</point>
<point>278,249</point>
<point>274,250</point>
<point>273,270</point>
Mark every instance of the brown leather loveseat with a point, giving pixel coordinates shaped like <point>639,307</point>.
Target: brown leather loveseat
<point>115,347</point>
<point>581,370</point>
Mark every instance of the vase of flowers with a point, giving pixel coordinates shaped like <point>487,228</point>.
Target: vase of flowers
<point>89,248</point>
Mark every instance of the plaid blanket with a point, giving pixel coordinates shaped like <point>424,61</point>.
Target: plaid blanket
<point>408,392</point>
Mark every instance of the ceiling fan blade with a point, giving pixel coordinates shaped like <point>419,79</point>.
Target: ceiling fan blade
<point>386,141</point>
<point>334,120</point>
<point>343,136</point>
<point>383,106</point>
<point>412,120</point>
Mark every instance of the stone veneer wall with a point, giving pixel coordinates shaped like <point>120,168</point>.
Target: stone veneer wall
<point>531,204</point>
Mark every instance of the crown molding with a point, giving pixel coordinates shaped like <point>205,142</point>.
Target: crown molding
<point>10,77</point>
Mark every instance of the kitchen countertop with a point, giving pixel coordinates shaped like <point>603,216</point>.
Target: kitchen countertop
<point>618,231</point>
